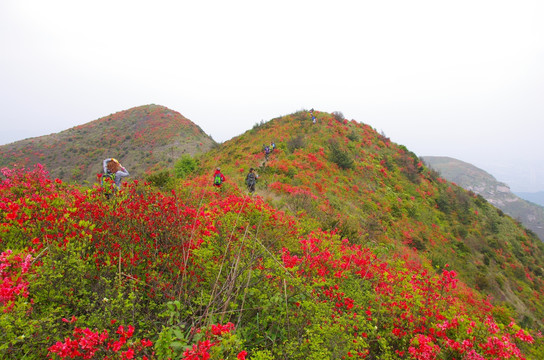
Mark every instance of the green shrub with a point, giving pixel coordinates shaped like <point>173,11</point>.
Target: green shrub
<point>353,136</point>
<point>338,116</point>
<point>340,158</point>
<point>160,179</point>
<point>481,281</point>
<point>258,124</point>
<point>185,166</point>
<point>296,142</point>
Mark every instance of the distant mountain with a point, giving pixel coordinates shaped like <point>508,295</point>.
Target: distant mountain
<point>143,139</point>
<point>497,193</point>
<point>535,197</point>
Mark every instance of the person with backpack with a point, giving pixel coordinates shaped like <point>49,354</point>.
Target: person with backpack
<point>313,116</point>
<point>113,172</point>
<point>251,180</point>
<point>218,178</point>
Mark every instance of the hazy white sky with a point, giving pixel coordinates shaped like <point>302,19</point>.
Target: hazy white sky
<point>448,78</point>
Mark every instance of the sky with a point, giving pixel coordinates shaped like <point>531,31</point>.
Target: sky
<point>463,79</point>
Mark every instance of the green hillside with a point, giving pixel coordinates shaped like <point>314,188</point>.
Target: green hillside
<point>350,247</point>
<point>345,176</point>
<point>143,138</point>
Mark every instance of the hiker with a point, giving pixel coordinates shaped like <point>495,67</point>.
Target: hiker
<point>313,116</point>
<point>218,178</point>
<point>272,146</point>
<point>251,180</point>
<point>266,152</point>
<point>114,171</point>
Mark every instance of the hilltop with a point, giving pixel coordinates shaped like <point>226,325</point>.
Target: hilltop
<point>350,247</point>
<point>143,138</point>
<point>344,176</point>
<point>497,193</point>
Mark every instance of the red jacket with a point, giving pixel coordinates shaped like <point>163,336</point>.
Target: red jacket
<point>218,172</point>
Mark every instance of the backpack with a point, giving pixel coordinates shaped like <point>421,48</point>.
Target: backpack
<point>250,179</point>
<point>106,181</point>
<point>217,179</point>
<point>107,178</point>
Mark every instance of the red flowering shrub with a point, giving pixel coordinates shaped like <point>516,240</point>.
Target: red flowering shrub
<point>13,283</point>
<point>368,266</point>
<point>87,344</point>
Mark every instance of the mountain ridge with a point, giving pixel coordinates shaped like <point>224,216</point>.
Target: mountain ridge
<point>376,202</point>
<point>497,193</point>
<point>350,246</point>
